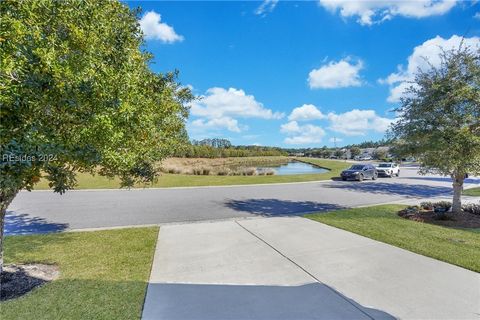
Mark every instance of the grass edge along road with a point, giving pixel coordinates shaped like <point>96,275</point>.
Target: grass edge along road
<point>473,192</point>
<point>103,274</point>
<point>87,181</point>
<point>455,246</point>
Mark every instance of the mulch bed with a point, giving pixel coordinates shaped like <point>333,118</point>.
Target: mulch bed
<point>17,280</point>
<point>453,220</point>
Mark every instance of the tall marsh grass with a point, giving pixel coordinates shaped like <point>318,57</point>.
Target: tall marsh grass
<point>222,166</point>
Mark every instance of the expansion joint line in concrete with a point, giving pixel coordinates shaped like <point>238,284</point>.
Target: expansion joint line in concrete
<point>303,269</point>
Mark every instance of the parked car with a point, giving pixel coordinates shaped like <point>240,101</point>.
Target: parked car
<point>359,172</point>
<point>365,158</point>
<point>388,169</point>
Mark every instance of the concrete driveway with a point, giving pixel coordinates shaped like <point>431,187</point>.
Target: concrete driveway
<point>295,268</point>
<point>45,211</point>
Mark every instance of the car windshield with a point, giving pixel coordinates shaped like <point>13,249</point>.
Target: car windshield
<point>384,165</point>
<point>356,167</point>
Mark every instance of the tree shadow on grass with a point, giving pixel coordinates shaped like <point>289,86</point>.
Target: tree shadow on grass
<point>408,190</point>
<point>78,299</point>
<point>22,223</point>
<point>276,207</point>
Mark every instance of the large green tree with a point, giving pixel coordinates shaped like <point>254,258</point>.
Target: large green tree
<point>439,119</point>
<point>77,94</point>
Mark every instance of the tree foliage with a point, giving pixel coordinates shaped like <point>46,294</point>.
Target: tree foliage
<point>215,142</point>
<point>439,120</point>
<point>77,94</point>
<point>208,151</point>
<point>355,151</point>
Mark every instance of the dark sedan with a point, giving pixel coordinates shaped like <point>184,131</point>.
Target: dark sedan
<point>359,172</point>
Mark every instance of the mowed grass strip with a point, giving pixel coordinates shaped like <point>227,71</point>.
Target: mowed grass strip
<point>458,247</point>
<point>103,274</point>
<point>88,181</point>
<point>474,192</point>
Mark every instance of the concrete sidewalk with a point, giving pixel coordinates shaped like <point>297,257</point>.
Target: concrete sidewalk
<point>295,268</point>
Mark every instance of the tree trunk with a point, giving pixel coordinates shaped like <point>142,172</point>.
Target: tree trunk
<point>6,197</point>
<point>458,178</point>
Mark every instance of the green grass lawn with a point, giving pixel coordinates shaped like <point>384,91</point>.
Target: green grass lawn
<point>474,192</point>
<point>459,247</point>
<point>87,181</point>
<point>103,274</point>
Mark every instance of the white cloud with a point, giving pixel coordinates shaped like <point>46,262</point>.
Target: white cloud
<point>376,11</point>
<point>358,122</point>
<point>219,107</point>
<point>477,15</point>
<point>305,113</point>
<point>423,56</point>
<point>304,134</point>
<point>339,74</point>
<point>216,124</point>
<point>220,102</point>
<point>154,29</point>
<point>265,7</point>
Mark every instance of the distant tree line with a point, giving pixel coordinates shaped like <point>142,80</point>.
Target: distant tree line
<point>215,143</point>
<point>223,148</point>
<point>371,144</point>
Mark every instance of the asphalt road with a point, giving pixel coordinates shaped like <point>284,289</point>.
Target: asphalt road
<point>45,211</point>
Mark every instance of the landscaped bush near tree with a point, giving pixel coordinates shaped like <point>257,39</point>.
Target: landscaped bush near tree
<point>472,208</point>
<point>427,205</point>
<point>440,213</point>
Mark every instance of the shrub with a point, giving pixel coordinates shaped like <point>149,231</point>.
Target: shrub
<point>249,172</point>
<point>443,204</point>
<point>426,205</point>
<point>224,171</point>
<point>409,211</point>
<point>197,171</point>
<point>472,208</point>
<point>270,172</point>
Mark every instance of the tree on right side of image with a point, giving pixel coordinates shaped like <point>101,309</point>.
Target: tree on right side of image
<point>439,118</point>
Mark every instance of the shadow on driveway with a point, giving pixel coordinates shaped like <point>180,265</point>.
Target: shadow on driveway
<point>22,223</point>
<point>409,190</point>
<point>446,179</point>
<point>218,302</point>
<point>276,207</point>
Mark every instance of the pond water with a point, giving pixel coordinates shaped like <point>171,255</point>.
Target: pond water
<point>294,167</point>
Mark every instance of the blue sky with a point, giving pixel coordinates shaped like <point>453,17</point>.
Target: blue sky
<point>298,74</point>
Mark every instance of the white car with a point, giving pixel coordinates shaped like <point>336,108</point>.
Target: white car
<point>388,169</point>
<point>365,158</point>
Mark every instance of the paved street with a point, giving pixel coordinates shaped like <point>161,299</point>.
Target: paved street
<point>296,268</point>
<point>45,211</point>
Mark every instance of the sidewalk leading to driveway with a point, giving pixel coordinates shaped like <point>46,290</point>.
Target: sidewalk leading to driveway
<point>295,268</point>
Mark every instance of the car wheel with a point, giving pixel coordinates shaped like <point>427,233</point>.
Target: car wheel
<point>344,179</point>
<point>360,177</point>
<point>398,173</point>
